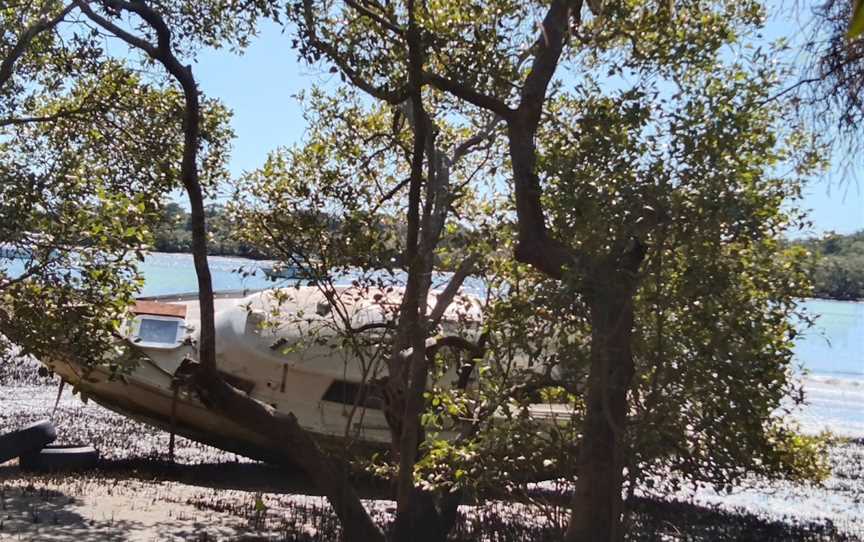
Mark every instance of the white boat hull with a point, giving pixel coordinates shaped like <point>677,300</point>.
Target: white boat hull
<point>317,383</point>
<point>303,381</point>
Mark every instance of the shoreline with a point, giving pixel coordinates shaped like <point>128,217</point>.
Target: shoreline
<point>269,259</point>
<point>136,494</point>
<point>837,299</point>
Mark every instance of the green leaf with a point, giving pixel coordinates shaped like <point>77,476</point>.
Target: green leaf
<point>856,24</point>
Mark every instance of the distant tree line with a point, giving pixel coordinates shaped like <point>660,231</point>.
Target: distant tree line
<point>173,233</point>
<point>837,270</point>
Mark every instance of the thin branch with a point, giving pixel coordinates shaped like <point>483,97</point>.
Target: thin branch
<point>470,178</point>
<point>392,192</point>
<point>63,114</point>
<point>371,326</point>
<point>115,30</point>
<point>7,282</point>
<point>377,18</point>
<point>466,146</point>
<point>391,97</point>
<point>791,88</point>
<point>453,341</point>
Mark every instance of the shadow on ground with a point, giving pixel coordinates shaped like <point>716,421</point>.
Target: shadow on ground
<point>656,520</point>
<point>39,514</point>
<point>252,477</point>
<point>35,514</point>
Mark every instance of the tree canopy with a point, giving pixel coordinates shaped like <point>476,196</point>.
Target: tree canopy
<point>619,174</point>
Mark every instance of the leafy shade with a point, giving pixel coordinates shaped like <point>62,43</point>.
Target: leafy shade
<point>696,174</point>
<point>79,191</point>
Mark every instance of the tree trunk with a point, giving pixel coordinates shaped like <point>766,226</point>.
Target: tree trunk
<point>330,475</point>
<point>431,517</point>
<point>597,502</point>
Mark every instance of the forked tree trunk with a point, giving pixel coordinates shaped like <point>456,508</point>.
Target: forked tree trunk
<point>416,516</point>
<point>329,474</point>
<point>597,501</point>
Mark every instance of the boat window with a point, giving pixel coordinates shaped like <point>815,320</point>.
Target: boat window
<point>157,331</point>
<point>351,393</point>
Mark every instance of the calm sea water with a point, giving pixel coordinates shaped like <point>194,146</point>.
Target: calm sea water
<point>175,273</point>
<point>835,345</point>
<point>831,353</point>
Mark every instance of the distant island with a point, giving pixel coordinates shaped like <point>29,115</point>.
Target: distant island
<point>174,233</point>
<point>837,270</point>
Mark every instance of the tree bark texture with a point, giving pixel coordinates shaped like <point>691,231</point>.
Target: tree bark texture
<point>329,474</point>
<point>597,503</point>
<point>421,241</point>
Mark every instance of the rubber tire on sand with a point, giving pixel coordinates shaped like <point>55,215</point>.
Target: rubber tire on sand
<point>29,439</point>
<point>55,458</point>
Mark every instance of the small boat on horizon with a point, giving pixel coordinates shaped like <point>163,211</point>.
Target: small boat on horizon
<point>290,272</point>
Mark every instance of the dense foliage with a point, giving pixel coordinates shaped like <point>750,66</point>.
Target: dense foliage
<point>692,175</point>
<point>84,148</point>
<point>712,336</point>
<point>837,265</point>
<point>625,212</point>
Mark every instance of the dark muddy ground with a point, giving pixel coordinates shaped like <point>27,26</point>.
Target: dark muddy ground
<point>208,494</point>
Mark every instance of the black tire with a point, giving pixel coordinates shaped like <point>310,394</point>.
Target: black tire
<point>56,458</point>
<point>29,439</point>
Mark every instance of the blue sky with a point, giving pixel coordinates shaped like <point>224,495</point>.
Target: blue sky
<point>260,84</point>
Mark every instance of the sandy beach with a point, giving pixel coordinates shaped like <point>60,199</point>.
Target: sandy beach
<point>136,494</point>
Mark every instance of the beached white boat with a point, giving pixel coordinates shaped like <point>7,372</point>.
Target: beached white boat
<point>277,345</point>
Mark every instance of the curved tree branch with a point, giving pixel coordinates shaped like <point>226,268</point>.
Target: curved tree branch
<point>485,133</point>
<point>469,94</point>
<point>163,54</point>
<point>294,442</point>
<point>7,66</point>
<point>393,97</point>
<point>396,29</point>
<point>124,35</point>
<point>446,297</point>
